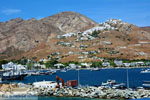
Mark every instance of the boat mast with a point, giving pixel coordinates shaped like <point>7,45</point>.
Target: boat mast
<point>78,78</point>
<point>127,79</point>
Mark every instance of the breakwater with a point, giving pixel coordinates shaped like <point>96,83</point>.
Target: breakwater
<point>94,92</point>
<point>100,92</point>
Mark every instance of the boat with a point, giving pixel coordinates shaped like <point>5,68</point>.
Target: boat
<point>63,70</point>
<point>17,75</point>
<point>145,71</point>
<point>95,69</point>
<point>146,84</point>
<point>41,72</point>
<point>113,84</point>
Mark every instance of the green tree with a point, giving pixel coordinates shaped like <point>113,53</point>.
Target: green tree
<point>95,33</point>
<point>48,64</point>
<point>112,63</point>
<point>96,64</point>
<point>30,65</point>
<point>3,62</point>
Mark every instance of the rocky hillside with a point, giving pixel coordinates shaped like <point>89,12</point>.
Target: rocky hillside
<point>111,39</point>
<point>146,28</point>
<point>18,36</point>
<point>70,36</point>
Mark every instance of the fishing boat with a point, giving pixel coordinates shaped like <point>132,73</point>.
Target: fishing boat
<point>145,71</point>
<point>47,72</point>
<point>95,69</point>
<point>146,84</point>
<point>63,70</point>
<point>41,72</point>
<point>113,84</point>
<point>17,75</point>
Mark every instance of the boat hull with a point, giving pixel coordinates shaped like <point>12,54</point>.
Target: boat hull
<point>14,77</point>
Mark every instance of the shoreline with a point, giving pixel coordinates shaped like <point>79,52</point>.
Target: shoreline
<point>103,68</point>
<point>92,92</point>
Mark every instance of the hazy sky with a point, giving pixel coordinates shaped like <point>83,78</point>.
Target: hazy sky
<point>133,11</point>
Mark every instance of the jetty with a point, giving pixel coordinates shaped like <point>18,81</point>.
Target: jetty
<point>100,92</point>
<point>94,92</point>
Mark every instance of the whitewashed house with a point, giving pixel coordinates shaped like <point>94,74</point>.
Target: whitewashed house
<point>12,66</point>
<point>126,64</point>
<point>59,65</point>
<point>73,66</point>
<point>133,64</point>
<point>118,62</point>
<point>45,84</point>
<point>106,64</point>
<point>87,65</point>
<point>140,63</point>
<point>37,65</point>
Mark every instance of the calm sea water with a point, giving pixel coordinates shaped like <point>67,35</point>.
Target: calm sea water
<point>93,78</point>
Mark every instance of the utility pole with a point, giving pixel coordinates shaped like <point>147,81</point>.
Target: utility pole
<point>78,78</point>
<point>127,79</point>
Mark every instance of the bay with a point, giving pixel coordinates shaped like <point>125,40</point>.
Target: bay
<point>95,78</point>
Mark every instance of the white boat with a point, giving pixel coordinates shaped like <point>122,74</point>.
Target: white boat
<point>95,69</point>
<point>145,71</point>
<point>113,84</point>
<point>63,70</point>
<point>14,75</point>
<point>146,84</point>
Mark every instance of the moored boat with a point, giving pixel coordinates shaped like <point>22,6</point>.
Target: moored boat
<point>13,75</point>
<point>146,84</point>
<point>113,84</point>
<point>95,69</point>
<point>63,70</point>
<point>145,71</point>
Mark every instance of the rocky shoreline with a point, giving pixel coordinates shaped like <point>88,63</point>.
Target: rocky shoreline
<point>100,92</point>
<point>94,92</point>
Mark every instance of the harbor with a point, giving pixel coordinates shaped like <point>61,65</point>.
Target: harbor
<point>91,84</point>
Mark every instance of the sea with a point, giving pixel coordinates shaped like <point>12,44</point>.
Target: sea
<point>94,78</point>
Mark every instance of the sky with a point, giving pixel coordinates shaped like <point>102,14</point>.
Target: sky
<point>136,12</point>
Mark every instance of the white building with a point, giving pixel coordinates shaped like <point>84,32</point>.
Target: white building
<point>73,66</point>
<point>140,63</point>
<point>59,65</point>
<point>87,65</point>
<point>126,64</point>
<point>12,66</point>
<point>106,64</point>
<point>118,62</point>
<point>45,84</point>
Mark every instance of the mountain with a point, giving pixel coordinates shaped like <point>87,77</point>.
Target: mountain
<point>69,22</point>
<point>70,36</point>
<point>18,35</point>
